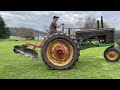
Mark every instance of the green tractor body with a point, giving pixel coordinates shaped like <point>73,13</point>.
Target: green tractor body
<point>61,51</point>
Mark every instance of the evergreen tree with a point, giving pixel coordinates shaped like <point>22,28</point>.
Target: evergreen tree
<point>4,31</point>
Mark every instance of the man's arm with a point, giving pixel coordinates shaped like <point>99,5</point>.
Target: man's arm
<point>58,26</point>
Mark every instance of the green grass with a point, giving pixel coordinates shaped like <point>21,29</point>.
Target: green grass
<point>91,65</point>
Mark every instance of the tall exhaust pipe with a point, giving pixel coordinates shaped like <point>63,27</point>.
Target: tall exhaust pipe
<point>102,22</point>
<point>63,28</point>
<point>98,24</point>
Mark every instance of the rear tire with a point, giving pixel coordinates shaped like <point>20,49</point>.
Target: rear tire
<point>71,49</point>
<point>112,54</point>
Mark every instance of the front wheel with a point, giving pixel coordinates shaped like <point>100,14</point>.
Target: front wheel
<point>112,54</point>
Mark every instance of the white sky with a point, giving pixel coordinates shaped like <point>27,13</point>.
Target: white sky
<point>38,19</point>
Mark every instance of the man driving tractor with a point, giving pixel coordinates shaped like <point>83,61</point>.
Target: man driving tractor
<point>53,26</point>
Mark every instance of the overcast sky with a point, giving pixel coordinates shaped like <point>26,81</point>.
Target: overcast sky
<point>38,19</point>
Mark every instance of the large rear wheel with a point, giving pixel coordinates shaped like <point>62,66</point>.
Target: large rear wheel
<point>60,51</point>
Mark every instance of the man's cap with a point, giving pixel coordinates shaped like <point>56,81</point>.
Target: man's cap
<point>55,17</point>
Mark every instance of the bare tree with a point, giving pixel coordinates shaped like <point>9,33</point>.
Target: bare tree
<point>37,34</point>
<point>90,23</point>
<point>105,25</point>
<point>117,35</point>
<point>80,22</point>
<point>25,32</point>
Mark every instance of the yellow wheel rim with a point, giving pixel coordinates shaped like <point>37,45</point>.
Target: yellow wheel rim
<point>112,55</point>
<point>68,49</point>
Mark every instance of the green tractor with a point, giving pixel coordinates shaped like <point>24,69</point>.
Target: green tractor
<point>61,51</point>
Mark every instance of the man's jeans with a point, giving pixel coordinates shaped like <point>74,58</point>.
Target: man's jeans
<point>52,32</point>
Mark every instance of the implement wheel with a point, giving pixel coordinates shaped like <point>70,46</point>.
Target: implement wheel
<point>112,54</point>
<point>60,51</point>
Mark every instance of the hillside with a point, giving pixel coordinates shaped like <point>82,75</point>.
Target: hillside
<point>14,31</point>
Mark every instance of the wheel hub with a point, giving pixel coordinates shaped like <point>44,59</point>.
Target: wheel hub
<point>59,52</point>
<point>112,55</point>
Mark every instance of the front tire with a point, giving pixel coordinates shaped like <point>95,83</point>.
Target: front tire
<point>112,54</point>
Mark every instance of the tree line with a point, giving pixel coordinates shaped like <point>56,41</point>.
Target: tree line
<point>89,23</point>
<point>117,35</point>
<point>24,32</point>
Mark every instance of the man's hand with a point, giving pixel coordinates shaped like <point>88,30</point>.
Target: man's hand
<point>62,23</point>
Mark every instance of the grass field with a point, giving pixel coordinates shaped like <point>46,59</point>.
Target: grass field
<point>91,65</point>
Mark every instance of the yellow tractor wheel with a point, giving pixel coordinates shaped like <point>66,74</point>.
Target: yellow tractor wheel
<point>60,51</point>
<point>112,54</point>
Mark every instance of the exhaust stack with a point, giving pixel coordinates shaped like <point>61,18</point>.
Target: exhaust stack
<point>97,24</point>
<point>102,22</point>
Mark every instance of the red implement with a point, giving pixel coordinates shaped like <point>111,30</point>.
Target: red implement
<point>35,46</point>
